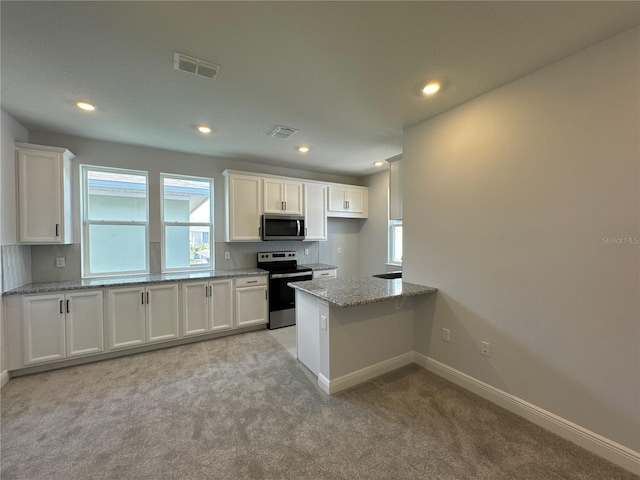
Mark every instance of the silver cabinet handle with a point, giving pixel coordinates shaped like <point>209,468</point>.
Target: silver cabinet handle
<point>210,290</point>
<point>57,229</point>
<point>206,291</point>
<point>252,281</point>
<point>68,310</point>
<point>61,311</point>
<point>147,298</point>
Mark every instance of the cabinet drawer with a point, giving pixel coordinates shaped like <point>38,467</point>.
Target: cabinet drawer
<point>251,281</point>
<point>325,273</point>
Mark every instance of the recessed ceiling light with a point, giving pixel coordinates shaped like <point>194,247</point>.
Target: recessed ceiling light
<point>379,163</point>
<point>431,88</point>
<point>87,107</point>
<point>303,149</point>
<point>204,129</point>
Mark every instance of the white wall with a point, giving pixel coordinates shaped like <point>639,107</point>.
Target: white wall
<point>10,131</point>
<point>507,199</point>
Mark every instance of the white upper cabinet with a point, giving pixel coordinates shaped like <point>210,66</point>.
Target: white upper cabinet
<point>44,194</point>
<point>315,211</point>
<point>348,201</point>
<point>243,208</point>
<point>249,195</point>
<point>282,196</point>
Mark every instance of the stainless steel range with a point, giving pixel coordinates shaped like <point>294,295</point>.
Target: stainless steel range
<point>283,268</point>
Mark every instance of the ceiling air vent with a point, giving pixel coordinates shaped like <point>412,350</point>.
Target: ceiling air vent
<point>282,132</point>
<point>195,66</point>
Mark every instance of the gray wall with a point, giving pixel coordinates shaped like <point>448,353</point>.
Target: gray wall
<point>372,251</point>
<point>343,235</point>
<point>10,131</point>
<point>509,202</point>
<point>155,161</point>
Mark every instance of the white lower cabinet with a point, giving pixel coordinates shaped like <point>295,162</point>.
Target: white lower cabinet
<point>140,315</point>
<point>59,326</point>
<point>207,307</point>
<point>252,302</point>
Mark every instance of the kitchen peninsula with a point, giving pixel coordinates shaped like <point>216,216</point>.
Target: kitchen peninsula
<point>350,330</point>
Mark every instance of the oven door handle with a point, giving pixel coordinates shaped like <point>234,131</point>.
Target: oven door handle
<point>290,275</point>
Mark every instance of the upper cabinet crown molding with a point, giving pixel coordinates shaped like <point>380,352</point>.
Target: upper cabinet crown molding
<point>44,194</point>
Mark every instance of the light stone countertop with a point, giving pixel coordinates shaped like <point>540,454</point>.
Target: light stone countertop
<point>124,281</point>
<point>318,266</point>
<point>355,291</point>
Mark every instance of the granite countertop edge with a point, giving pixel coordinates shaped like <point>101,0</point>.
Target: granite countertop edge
<point>123,281</point>
<point>358,291</point>
<point>318,266</point>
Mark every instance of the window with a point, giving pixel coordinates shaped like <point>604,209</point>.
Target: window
<point>187,223</point>
<point>115,221</point>
<point>395,242</point>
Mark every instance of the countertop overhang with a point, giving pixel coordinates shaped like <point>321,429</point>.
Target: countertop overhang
<point>123,281</point>
<point>355,291</point>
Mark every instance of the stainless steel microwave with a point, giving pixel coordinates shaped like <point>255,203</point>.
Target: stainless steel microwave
<point>283,227</point>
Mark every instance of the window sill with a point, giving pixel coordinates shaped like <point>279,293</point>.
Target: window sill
<point>394,264</point>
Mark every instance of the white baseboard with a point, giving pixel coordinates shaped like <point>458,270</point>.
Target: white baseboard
<point>601,446</point>
<point>359,376</point>
<point>4,378</point>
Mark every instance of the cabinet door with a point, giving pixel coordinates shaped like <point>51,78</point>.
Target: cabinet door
<point>244,208</point>
<point>337,199</point>
<point>43,328</point>
<point>84,323</point>
<point>40,195</point>
<point>162,312</point>
<point>126,318</point>
<point>355,200</point>
<point>251,306</point>
<point>195,308</point>
<point>221,294</point>
<point>293,199</point>
<point>273,195</point>
<point>315,205</point>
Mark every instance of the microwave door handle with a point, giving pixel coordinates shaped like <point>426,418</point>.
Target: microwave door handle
<point>298,224</point>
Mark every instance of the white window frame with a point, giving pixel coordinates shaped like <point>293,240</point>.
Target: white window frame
<point>86,223</point>
<point>163,224</point>
<point>393,225</point>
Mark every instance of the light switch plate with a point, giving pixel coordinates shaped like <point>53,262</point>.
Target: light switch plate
<point>323,322</point>
<point>60,262</point>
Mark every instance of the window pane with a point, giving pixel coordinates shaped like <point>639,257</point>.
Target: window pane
<point>186,200</point>
<point>397,243</point>
<point>187,247</point>
<point>114,196</point>
<point>117,248</point>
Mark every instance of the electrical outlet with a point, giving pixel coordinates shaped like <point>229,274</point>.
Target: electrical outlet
<point>446,335</point>
<point>227,256</point>
<point>60,262</point>
<point>339,250</point>
<point>323,322</point>
<point>306,251</point>
<point>485,348</point>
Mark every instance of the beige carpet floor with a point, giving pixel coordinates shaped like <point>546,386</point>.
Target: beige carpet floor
<point>242,408</point>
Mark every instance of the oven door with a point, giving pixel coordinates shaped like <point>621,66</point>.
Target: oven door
<point>282,299</point>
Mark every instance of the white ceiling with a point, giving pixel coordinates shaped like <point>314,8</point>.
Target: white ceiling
<point>346,74</point>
